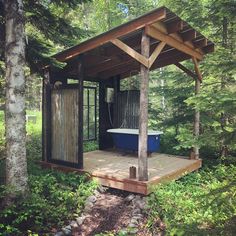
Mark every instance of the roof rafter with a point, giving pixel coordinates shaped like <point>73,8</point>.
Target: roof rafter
<point>181,46</point>
<point>117,32</point>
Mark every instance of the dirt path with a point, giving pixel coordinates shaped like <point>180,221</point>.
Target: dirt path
<point>115,212</point>
<point>112,212</point>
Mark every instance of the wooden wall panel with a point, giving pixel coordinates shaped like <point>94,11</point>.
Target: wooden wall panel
<point>65,125</point>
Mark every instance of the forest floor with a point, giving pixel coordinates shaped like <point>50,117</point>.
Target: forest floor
<point>112,214</point>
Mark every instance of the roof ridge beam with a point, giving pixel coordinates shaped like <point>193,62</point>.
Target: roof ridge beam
<point>173,42</point>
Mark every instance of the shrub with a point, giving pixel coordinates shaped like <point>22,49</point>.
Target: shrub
<point>201,203</point>
<point>53,199</point>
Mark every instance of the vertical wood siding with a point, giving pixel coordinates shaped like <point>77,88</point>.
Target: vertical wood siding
<point>128,109</point>
<point>65,125</point>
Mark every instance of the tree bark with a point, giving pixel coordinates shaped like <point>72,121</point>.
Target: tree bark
<point>143,113</point>
<point>196,120</point>
<point>16,164</point>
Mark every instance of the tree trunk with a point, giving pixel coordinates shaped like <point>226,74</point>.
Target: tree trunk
<point>16,164</point>
<point>224,118</point>
<point>196,120</point>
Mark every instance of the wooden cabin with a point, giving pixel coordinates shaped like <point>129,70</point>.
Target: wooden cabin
<point>152,41</point>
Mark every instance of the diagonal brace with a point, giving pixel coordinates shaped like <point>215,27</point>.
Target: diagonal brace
<point>130,51</point>
<point>186,70</point>
<point>148,62</point>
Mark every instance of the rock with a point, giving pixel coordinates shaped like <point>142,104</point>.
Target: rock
<point>137,217</point>
<point>60,233</point>
<point>141,204</point>
<point>134,221</point>
<point>102,189</point>
<point>96,193</point>
<point>73,224</point>
<point>88,206</point>
<point>80,220</point>
<point>129,198</point>
<point>137,197</point>
<point>133,231</point>
<point>91,199</point>
<point>67,230</point>
<point>132,225</point>
<point>136,211</point>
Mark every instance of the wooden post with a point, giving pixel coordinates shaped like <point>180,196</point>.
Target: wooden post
<point>46,119</point>
<point>132,172</point>
<point>197,113</point>
<point>80,110</point>
<point>143,112</point>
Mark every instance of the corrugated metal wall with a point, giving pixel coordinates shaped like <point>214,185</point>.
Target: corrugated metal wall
<point>65,125</point>
<point>128,109</point>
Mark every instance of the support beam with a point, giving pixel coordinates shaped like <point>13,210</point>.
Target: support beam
<point>80,72</point>
<point>143,112</point>
<point>130,51</point>
<point>155,33</point>
<point>186,70</point>
<point>155,53</point>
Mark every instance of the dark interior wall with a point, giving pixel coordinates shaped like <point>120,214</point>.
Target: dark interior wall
<point>105,139</point>
<point>128,109</point>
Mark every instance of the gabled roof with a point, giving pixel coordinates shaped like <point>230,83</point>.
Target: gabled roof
<point>106,54</point>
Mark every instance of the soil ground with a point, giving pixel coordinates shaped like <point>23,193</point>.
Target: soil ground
<point>111,213</point>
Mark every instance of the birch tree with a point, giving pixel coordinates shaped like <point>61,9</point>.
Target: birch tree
<point>16,165</point>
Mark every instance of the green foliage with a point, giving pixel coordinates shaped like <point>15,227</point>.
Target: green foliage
<point>201,203</point>
<point>90,146</point>
<point>53,197</point>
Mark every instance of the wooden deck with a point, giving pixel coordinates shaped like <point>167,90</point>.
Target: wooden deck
<point>111,169</point>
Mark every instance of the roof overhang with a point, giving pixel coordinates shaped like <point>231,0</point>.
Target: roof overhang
<point>117,52</point>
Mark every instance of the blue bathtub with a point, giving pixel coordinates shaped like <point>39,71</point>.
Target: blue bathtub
<point>127,139</point>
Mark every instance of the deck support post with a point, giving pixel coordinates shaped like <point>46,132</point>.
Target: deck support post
<point>143,112</point>
<point>197,112</point>
<point>80,73</point>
